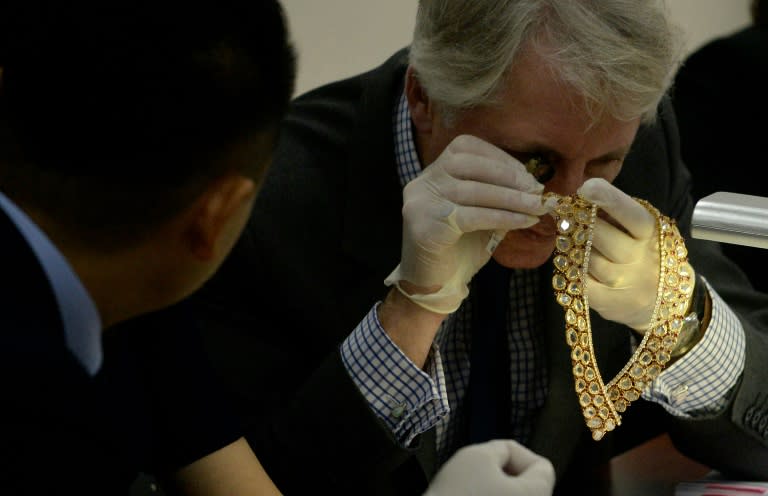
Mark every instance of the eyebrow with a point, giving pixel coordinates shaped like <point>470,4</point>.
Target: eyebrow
<point>545,151</point>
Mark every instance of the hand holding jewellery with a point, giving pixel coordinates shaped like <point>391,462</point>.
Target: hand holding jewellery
<point>602,403</point>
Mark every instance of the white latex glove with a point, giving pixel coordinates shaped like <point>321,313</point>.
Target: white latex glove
<point>450,213</point>
<point>624,265</point>
<point>494,468</point>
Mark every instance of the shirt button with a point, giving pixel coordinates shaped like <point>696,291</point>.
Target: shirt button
<point>398,411</point>
<point>679,394</point>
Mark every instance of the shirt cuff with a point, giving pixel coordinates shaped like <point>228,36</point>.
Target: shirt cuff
<point>699,382</point>
<point>407,399</point>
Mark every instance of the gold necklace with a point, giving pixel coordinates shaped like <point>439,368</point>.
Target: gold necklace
<point>601,403</point>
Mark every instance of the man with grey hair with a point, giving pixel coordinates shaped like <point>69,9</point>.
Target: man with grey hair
<point>442,164</point>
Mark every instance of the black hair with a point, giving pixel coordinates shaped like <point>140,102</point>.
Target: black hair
<point>115,114</point>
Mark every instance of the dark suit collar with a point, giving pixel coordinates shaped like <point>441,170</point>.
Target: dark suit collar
<point>557,431</point>
<point>373,224</point>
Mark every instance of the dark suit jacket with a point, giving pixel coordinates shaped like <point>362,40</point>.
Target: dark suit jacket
<point>326,231</point>
<point>721,100</point>
<point>47,402</point>
<point>152,408</point>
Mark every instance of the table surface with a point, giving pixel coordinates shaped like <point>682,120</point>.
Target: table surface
<point>653,468</point>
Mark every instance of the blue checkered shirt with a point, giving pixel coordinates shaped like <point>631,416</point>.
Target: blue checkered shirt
<point>411,400</point>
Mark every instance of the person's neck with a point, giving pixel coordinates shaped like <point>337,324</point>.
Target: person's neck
<point>115,281</point>
<point>118,281</point>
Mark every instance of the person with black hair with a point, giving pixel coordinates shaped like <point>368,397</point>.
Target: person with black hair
<point>133,139</point>
<point>720,95</point>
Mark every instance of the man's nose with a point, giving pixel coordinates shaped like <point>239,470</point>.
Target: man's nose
<point>567,178</point>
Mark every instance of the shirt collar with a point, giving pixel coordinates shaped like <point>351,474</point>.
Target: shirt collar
<point>408,164</point>
<point>80,318</point>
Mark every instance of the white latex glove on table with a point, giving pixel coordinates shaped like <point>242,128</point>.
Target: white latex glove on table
<point>494,468</point>
<point>624,265</point>
<point>451,211</point>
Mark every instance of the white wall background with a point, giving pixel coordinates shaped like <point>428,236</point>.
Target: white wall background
<point>703,20</point>
<point>339,38</point>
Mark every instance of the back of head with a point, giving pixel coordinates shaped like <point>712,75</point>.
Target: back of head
<point>620,55</point>
<point>114,115</point>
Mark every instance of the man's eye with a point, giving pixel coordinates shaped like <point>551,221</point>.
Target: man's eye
<point>542,170</point>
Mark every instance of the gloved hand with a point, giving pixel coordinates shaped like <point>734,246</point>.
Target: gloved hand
<point>450,213</point>
<point>494,468</point>
<point>624,265</point>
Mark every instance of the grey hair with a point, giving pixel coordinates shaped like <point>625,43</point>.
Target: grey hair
<point>619,55</point>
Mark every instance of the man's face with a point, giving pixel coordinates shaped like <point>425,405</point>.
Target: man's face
<point>539,116</point>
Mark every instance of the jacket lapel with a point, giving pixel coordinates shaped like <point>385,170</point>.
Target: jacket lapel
<point>372,222</point>
<point>557,429</point>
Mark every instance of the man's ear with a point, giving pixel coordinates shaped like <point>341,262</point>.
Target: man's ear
<point>422,110</point>
<point>219,206</point>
